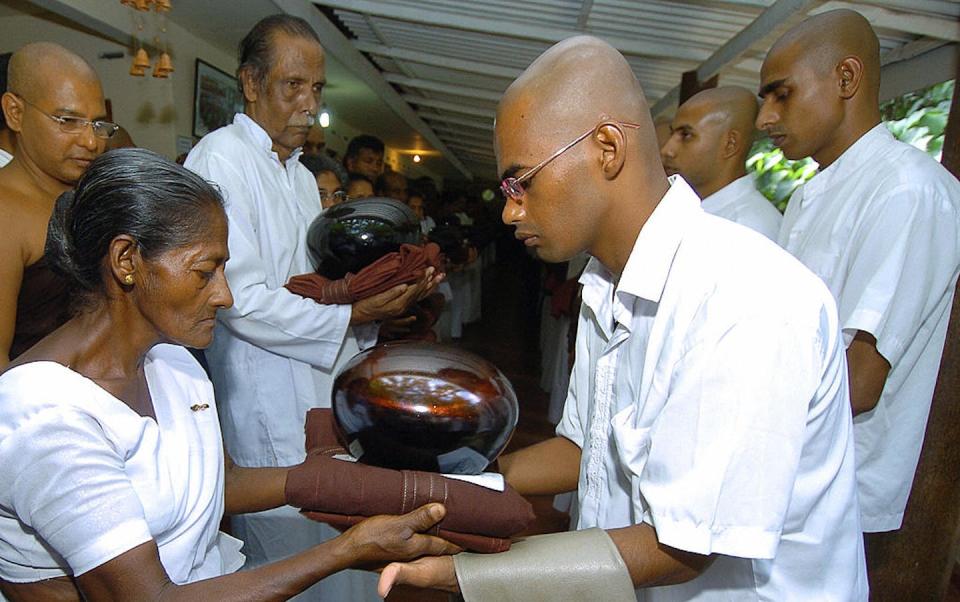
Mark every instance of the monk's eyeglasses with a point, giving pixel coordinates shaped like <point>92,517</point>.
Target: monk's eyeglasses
<point>75,125</point>
<point>512,187</point>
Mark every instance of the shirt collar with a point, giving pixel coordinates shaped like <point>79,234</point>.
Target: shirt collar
<point>261,138</point>
<point>729,194</point>
<point>860,153</point>
<point>645,273</point>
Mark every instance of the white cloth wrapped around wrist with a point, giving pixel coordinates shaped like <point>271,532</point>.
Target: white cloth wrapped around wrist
<point>579,565</point>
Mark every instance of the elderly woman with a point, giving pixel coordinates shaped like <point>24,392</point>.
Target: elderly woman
<point>113,478</point>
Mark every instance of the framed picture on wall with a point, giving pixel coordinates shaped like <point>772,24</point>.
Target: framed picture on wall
<point>215,99</point>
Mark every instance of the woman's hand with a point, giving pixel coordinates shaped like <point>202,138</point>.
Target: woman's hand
<point>382,539</point>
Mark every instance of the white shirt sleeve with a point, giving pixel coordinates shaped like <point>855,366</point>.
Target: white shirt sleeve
<point>67,482</point>
<point>271,318</point>
<point>902,264</point>
<point>736,408</point>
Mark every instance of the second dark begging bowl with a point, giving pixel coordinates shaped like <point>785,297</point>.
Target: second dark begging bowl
<point>423,406</point>
<point>350,236</point>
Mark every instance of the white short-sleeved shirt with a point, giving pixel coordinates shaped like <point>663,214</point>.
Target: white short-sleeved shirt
<point>274,353</point>
<point>741,202</point>
<point>5,157</point>
<point>83,478</point>
<point>881,227</point>
<point>709,397</point>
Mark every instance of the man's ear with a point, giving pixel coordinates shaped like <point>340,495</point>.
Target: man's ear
<point>13,111</point>
<point>733,142</point>
<point>249,84</point>
<point>613,144</point>
<point>849,76</point>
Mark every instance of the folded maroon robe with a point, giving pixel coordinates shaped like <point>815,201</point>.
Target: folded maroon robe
<point>343,493</point>
<point>405,266</point>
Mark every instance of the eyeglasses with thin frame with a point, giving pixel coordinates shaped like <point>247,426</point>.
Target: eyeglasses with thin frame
<point>75,125</point>
<point>337,196</point>
<point>512,187</point>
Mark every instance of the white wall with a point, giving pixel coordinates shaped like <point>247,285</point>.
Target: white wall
<point>154,111</point>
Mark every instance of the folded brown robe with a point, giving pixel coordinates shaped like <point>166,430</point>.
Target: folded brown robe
<point>342,493</point>
<point>405,266</point>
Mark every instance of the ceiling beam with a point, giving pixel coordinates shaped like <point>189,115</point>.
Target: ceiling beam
<point>915,23</point>
<point>435,86</point>
<point>909,50</point>
<point>110,21</point>
<point>455,136</point>
<point>919,71</point>
<point>585,7</point>
<point>487,152</point>
<point>456,120</point>
<point>340,47</point>
<point>729,53</point>
<point>435,60</point>
<point>507,28</point>
<point>448,106</point>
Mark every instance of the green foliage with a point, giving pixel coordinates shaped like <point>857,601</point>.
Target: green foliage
<point>920,118</point>
<point>917,118</point>
<point>775,175</point>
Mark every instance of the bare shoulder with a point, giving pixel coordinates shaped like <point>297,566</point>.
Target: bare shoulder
<point>23,220</point>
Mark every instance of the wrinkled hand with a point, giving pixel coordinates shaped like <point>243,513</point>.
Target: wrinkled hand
<point>434,572</point>
<point>383,539</point>
<point>395,301</point>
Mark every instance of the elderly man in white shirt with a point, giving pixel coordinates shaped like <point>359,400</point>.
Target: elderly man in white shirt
<point>710,138</point>
<point>707,427</point>
<point>880,224</point>
<point>275,353</point>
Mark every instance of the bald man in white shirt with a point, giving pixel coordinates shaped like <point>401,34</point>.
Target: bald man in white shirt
<point>707,430</point>
<point>710,138</point>
<point>880,224</point>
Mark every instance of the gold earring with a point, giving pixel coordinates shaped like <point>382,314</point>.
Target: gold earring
<point>128,279</point>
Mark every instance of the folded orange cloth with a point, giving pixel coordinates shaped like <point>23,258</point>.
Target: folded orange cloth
<point>477,518</point>
<point>405,266</point>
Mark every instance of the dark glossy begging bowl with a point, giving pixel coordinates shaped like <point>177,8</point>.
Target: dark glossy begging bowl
<point>350,236</point>
<point>424,406</point>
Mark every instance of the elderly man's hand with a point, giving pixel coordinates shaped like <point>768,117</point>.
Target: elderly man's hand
<point>383,539</point>
<point>396,301</point>
<point>435,572</point>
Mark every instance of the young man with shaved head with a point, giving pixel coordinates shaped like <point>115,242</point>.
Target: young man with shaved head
<point>880,224</point>
<point>707,429</point>
<point>54,105</point>
<point>708,145</point>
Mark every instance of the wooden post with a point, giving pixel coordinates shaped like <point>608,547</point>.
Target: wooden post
<point>690,85</point>
<point>916,562</point>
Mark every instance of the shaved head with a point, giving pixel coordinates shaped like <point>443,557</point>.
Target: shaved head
<point>47,84</point>
<point>820,85</point>
<point>823,40</point>
<point>710,137</point>
<point>579,116</point>
<point>734,106</point>
<point>41,66</point>
<point>576,84</point>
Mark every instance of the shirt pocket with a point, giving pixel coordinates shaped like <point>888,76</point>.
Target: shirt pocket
<point>632,444</point>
